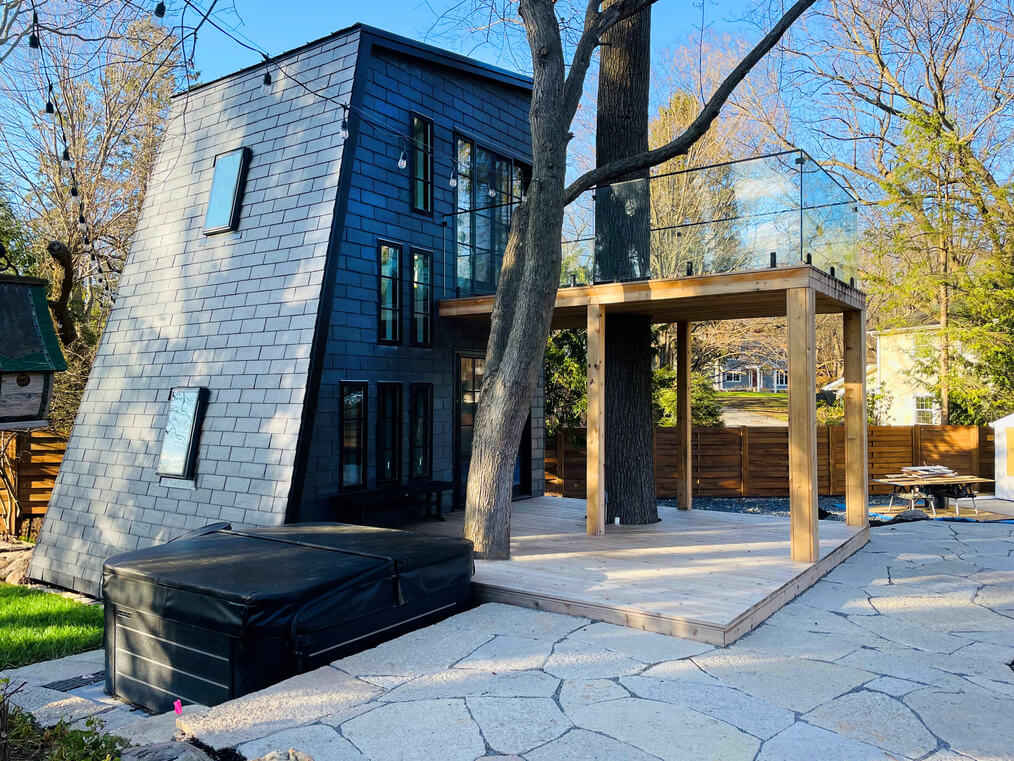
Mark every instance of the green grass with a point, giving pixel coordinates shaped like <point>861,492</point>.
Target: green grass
<point>39,626</point>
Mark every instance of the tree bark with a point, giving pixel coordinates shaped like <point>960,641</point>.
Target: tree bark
<point>623,252</point>
<point>60,306</point>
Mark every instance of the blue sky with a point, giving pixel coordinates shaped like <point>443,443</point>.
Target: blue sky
<point>261,21</point>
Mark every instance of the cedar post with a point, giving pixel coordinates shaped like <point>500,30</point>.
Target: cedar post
<point>596,438</point>
<point>801,311</point>
<point>744,461</point>
<point>856,479</point>
<point>684,419</point>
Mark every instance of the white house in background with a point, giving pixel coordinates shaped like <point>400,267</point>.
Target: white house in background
<point>908,395</point>
<point>750,373</point>
<point>1004,457</point>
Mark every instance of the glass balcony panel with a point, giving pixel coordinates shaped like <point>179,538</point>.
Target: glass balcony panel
<point>777,210</point>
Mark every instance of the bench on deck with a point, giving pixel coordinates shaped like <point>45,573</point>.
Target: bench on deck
<point>353,507</point>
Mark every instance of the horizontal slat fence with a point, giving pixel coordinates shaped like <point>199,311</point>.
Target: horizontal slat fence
<point>754,461</point>
<point>32,462</point>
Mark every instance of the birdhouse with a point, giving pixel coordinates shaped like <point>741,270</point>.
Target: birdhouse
<point>29,353</point>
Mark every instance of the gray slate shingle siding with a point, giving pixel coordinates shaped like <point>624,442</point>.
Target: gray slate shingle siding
<point>379,208</point>
<point>234,312</point>
<point>238,312</point>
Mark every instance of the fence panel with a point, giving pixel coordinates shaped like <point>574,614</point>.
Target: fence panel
<point>31,466</point>
<point>754,462</point>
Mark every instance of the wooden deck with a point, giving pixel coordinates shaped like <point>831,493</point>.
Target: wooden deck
<point>704,575</point>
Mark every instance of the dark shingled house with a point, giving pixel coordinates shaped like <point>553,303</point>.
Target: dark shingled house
<point>275,340</point>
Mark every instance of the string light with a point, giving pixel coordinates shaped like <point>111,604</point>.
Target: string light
<point>50,108</point>
<point>67,163</point>
<point>345,125</point>
<point>266,83</point>
<point>160,10</point>
<point>402,160</point>
<point>82,224</point>
<point>73,190</point>
<point>453,182</point>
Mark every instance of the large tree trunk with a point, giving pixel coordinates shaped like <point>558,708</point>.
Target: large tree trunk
<point>525,297</point>
<point>622,252</point>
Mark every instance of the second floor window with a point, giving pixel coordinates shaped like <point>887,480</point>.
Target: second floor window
<point>926,410</point>
<point>389,292</point>
<point>226,191</point>
<point>488,187</point>
<point>422,297</point>
<point>422,164</point>
<point>388,432</point>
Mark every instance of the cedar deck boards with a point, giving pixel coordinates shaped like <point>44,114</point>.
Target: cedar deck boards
<point>703,575</point>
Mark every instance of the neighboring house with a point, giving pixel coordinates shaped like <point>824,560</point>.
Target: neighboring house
<point>279,299</point>
<point>907,394</point>
<point>751,373</point>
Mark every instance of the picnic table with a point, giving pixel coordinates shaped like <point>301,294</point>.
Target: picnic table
<point>935,490</point>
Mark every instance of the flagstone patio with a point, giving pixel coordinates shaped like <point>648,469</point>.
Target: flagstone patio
<point>901,652</point>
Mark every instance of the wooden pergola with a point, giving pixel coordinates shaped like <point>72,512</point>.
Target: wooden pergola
<point>798,293</point>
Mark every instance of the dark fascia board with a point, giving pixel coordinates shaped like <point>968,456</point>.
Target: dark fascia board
<point>399,44</point>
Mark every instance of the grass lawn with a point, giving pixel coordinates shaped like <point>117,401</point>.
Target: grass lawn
<point>755,401</point>
<point>38,626</point>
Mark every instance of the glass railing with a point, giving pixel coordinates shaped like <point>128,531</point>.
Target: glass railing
<point>777,210</point>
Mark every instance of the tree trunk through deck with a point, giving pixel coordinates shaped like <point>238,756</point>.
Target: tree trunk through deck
<point>622,252</point>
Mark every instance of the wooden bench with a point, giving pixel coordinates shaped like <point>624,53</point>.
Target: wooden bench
<point>357,504</point>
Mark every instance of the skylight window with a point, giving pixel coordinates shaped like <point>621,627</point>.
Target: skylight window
<point>226,191</point>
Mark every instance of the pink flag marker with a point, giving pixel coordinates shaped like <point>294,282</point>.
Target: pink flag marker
<point>178,707</point>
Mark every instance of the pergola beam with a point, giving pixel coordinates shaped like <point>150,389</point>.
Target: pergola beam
<point>801,311</point>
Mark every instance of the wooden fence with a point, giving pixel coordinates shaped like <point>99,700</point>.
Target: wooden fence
<point>754,462</point>
<point>28,466</point>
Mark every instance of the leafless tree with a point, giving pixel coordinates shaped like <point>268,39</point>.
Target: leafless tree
<point>530,274</point>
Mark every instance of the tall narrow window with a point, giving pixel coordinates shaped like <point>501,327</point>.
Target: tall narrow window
<point>488,187</point>
<point>353,433</point>
<point>421,430</point>
<point>388,432</point>
<point>389,327</point>
<point>422,297</point>
<point>422,164</point>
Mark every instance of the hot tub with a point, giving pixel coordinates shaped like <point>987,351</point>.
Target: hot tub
<point>209,617</point>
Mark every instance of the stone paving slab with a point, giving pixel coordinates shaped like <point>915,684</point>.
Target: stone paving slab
<point>900,654</point>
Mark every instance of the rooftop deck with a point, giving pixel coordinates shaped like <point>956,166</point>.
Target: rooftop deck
<point>707,576</point>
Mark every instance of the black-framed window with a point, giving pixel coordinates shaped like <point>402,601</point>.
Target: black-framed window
<point>422,164</point>
<point>389,291</point>
<point>182,432</point>
<point>421,430</point>
<point>388,432</point>
<point>352,473</point>
<point>422,297</point>
<point>489,185</point>
<point>226,191</point>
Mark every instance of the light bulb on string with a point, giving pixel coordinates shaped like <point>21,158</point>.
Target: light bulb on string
<point>453,182</point>
<point>50,108</point>
<point>82,225</point>
<point>66,162</point>
<point>402,160</point>
<point>73,191</point>
<point>266,83</point>
<point>33,38</point>
<point>345,128</point>
<point>159,10</point>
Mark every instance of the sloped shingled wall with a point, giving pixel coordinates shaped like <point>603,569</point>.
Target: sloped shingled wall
<point>234,312</point>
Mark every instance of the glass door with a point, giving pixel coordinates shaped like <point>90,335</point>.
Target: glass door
<point>469,381</point>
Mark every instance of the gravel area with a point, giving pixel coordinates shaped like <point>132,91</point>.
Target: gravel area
<point>771,505</point>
